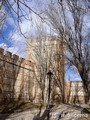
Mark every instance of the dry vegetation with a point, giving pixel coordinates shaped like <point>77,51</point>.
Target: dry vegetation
<point>17,107</point>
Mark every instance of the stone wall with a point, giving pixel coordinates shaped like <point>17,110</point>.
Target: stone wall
<point>48,54</point>
<point>20,79</point>
<point>15,77</point>
<point>74,92</point>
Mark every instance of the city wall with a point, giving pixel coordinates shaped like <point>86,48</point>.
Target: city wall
<point>16,75</point>
<point>74,92</point>
<point>18,81</point>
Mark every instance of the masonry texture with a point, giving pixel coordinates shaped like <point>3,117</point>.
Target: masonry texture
<point>27,80</point>
<point>14,74</point>
<point>47,53</point>
<point>74,92</point>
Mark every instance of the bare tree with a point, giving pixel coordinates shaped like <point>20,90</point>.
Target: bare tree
<point>19,5</point>
<point>42,60</point>
<point>19,10</point>
<point>68,17</point>
<point>46,55</point>
<point>2,17</point>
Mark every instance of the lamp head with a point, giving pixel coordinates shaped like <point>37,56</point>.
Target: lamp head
<point>49,73</point>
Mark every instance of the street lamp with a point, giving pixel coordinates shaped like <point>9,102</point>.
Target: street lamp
<point>49,74</point>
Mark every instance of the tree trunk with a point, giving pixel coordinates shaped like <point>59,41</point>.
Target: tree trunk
<point>86,85</point>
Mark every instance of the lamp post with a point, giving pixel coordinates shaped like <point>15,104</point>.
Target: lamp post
<point>47,111</point>
<point>49,74</point>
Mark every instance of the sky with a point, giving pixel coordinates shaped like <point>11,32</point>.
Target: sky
<point>12,40</point>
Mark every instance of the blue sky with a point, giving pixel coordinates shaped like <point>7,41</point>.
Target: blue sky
<point>72,74</point>
<point>5,36</point>
<point>12,40</point>
<point>16,45</point>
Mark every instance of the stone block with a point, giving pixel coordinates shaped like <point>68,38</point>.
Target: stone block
<point>8,56</point>
<point>1,52</point>
<point>21,62</point>
<point>15,58</point>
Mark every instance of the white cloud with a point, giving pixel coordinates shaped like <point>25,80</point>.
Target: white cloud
<point>18,44</point>
<point>17,39</point>
<point>28,28</point>
<point>4,46</point>
<point>10,20</point>
<point>14,50</point>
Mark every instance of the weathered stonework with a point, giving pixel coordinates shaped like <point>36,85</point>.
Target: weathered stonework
<point>26,79</point>
<point>14,74</point>
<point>48,54</point>
<point>75,92</point>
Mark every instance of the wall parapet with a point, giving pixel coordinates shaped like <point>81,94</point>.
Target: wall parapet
<point>14,59</point>
<point>15,73</point>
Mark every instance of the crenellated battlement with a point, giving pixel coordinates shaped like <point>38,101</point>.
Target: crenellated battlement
<point>1,52</point>
<point>22,79</point>
<point>13,58</point>
<point>15,73</point>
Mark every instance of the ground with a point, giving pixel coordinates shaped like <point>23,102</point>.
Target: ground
<point>30,111</point>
